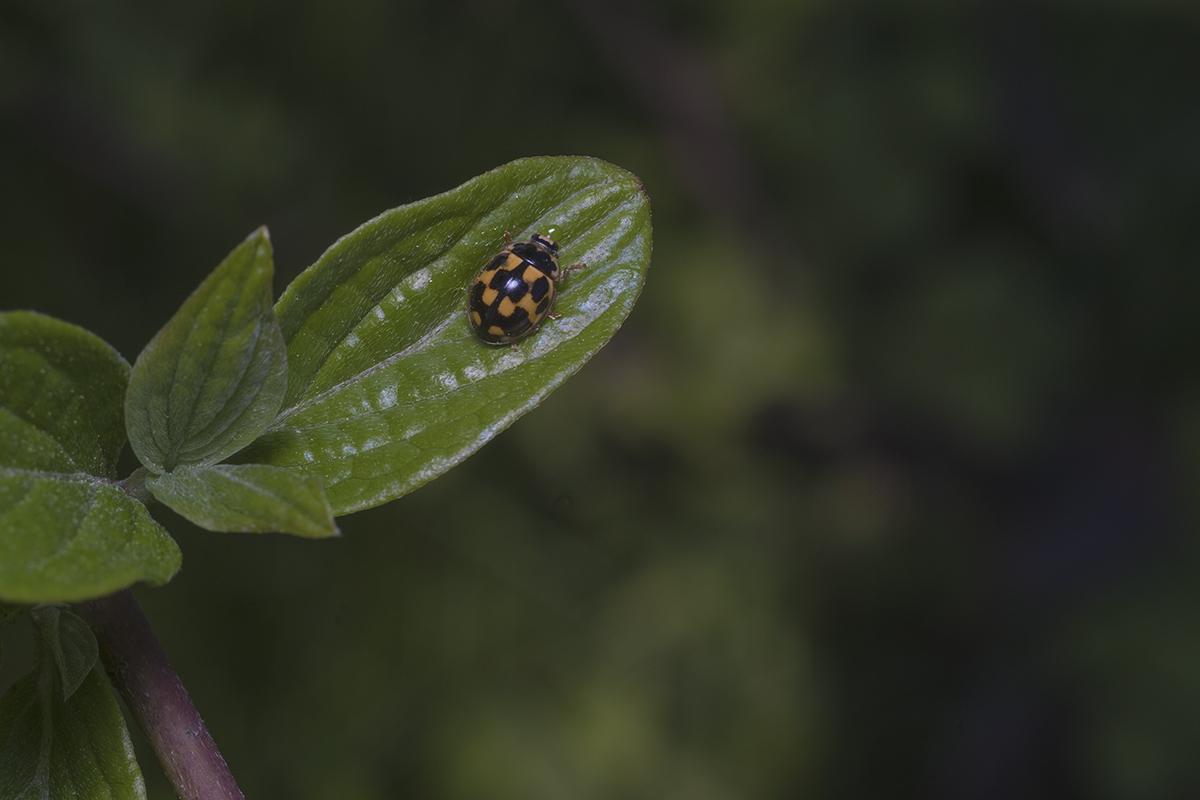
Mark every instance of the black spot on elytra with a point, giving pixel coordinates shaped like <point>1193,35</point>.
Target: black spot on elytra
<point>498,279</point>
<point>515,288</point>
<point>525,250</point>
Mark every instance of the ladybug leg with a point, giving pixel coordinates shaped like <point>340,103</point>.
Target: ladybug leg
<point>552,314</point>
<point>508,238</point>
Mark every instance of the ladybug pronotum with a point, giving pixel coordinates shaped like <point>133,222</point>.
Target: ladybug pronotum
<point>511,296</point>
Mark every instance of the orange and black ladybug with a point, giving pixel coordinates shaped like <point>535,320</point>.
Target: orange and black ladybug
<point>511,296</point>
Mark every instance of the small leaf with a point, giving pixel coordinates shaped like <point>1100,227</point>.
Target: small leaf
<point>66,532</point>
<point>63,539</point>
<point>247,498</point>
<point>388,386</point>
<point>71,641</point>
<point>214,376</point>
<point>56,749</point>
<point>61,395</point>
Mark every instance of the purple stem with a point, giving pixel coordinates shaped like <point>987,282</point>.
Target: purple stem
<point>138,668</point>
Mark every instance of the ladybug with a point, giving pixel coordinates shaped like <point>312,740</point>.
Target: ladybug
<point>511,296</point>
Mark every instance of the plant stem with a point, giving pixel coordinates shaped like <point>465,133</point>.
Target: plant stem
<point>135,487</point>
<point>138,668</point>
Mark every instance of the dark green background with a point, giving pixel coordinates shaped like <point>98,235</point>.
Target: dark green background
<point>885,490</point>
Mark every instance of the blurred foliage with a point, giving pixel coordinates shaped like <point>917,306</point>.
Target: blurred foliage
<point>881,492</point>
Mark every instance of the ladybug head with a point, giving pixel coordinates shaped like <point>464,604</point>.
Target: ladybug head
<point>545,243</point>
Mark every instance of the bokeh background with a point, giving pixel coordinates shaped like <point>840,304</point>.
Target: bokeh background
<point>885,490</point>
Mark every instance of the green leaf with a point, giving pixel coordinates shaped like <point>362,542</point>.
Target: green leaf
<point>61,395</point>
<point>64,538</point>
<point>66,531</point>
<point>247,498</point>
<point>72,643</point>
<point>388,386</point>
<point>56,749</point>
<point>214,376</point>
